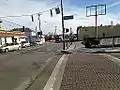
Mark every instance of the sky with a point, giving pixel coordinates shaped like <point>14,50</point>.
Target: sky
<point>48,23</point>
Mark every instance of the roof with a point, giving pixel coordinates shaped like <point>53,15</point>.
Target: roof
<point>6,33</point>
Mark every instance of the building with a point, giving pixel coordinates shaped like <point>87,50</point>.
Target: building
<point>11,37</point>
<point>103,31</point>
<point>32,36</point>
<point>17,36</point>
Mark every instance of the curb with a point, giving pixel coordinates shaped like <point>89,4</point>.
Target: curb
<point>69,50</point>
<point>112,58</point>
<point>50,85</point>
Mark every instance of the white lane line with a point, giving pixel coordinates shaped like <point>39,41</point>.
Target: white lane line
<point>60,74</point>
<point>113,58</point>
<point>52,79</point>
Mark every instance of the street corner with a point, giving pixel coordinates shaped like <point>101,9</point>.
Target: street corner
<point>69,50</point>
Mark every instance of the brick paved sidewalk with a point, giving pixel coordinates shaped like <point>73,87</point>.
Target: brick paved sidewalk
<point>90,72</point>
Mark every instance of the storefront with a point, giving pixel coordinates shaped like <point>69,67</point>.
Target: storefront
<point>11,37</point>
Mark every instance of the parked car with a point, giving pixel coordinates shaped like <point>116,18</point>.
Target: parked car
<point>25,44</point>
<point>38,42</point>
<point>10,47</point>
<point>33,44</point>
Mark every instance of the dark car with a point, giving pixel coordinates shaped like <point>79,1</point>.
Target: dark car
<point>33,43</point>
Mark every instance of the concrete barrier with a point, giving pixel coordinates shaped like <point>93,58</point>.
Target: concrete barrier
<point>117,41</point>
<point>110,42</point>
<point>106,42</point>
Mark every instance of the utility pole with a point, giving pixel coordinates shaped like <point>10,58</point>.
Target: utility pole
<point>70,30</point>
<point>63,29</point>
<point>39,24</point>
<point>55,30</point>
<point>96,28</point>
<point>39,20</point>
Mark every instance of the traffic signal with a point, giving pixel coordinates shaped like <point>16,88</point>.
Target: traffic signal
<point>67,30</point>
<point>23,29</point>
<point>57,10</point>
<point>40,33</point>
<point>0,21</point>
<point>32,18</point>
<point>51,13</point>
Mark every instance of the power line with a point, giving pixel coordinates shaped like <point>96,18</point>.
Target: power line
<point>31,14</point>
<point>11,22</point>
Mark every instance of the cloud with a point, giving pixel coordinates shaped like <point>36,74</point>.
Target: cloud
<point>113,4</point>
<point>18,7</point>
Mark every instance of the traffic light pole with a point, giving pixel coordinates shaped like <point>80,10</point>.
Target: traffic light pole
<point>63,30</point>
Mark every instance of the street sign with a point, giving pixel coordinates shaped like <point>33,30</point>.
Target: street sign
<point>68,17</point>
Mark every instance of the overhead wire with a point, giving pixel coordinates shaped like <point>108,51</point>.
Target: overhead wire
<point>11,22</point>
<point>14,23</point>
<point>30,14</point>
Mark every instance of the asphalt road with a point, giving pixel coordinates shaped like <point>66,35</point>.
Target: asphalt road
<point>18,68</point>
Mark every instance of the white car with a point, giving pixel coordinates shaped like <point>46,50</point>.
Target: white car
<point>39,42</point>
<point>25,44</point>
<point>10,47</point>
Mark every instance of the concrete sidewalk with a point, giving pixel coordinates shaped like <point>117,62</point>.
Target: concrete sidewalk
<point>85,71</point>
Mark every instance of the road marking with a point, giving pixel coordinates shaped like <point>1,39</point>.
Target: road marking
<point>29,81</point>
<point>52,79</point>
<point>60,74</point>
<point>113,58</point>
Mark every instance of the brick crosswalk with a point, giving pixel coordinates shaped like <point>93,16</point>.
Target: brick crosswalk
<point>90,72</point>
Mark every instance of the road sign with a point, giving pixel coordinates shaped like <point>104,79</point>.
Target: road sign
<point>68,17</point>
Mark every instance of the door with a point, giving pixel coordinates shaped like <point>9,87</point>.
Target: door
<point>11,46</point>
<point>16,46</point>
